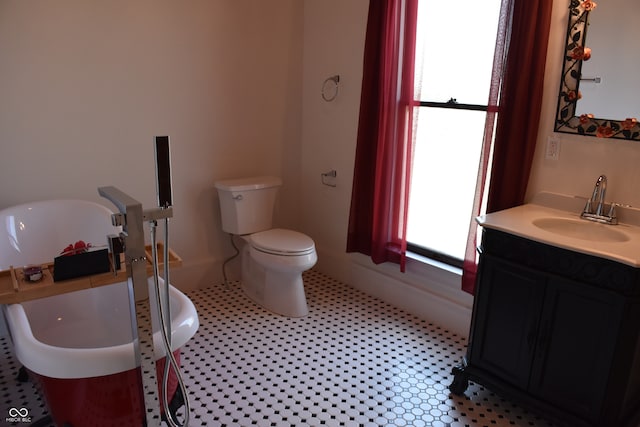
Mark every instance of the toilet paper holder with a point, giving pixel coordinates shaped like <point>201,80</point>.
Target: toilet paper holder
<point>325,177</point>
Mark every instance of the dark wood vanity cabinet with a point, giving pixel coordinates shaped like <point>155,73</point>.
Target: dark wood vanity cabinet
<point>557,330</point>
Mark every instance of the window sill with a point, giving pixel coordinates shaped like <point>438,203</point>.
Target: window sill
<point>413,257</point>
<point>426,275</point>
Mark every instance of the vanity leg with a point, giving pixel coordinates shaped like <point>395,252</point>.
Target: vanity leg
<point>460,380</point>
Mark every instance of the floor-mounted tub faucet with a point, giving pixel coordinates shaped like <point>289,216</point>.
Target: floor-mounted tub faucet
<point>598,200</point>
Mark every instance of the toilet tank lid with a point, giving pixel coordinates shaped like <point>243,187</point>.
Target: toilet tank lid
<point>251,183</point>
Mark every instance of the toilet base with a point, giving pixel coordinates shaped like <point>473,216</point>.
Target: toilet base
<point>279,292</point>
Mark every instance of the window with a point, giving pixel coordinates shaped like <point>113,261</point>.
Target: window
<point>454,57</point>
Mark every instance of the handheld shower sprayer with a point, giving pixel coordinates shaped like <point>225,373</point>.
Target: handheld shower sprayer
<point>163,171</point>
<point>164,192</point>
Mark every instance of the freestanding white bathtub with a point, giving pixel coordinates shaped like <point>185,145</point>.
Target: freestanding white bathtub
<point>78,346</point>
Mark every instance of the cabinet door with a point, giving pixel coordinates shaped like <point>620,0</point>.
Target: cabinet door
<point>506,320</point>
<point>578,335</point>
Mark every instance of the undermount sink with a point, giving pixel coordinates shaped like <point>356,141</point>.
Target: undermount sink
<point>581,229</point>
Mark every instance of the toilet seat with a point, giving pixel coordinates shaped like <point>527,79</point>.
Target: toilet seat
<point>283,242</point>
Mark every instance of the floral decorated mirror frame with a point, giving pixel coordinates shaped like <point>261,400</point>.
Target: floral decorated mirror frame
<point>576,52</point>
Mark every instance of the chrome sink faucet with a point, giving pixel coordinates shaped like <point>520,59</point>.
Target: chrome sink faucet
<point>598,199</point>
<point>599,191</point>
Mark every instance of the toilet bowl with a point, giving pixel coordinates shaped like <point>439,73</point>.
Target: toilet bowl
<point>273,259</point>
<point>272,265</point>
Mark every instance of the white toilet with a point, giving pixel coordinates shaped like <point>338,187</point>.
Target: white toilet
<point>273,259</point>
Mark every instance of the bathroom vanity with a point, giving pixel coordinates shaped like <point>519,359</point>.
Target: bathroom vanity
<point>556,316</point>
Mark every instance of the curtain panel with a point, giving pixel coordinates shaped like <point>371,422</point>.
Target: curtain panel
<point>379,204</point>
<point>519,108</point>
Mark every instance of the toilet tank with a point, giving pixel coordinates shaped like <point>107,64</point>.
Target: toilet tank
<point>246,204</point>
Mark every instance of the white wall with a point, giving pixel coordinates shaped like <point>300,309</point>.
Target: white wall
<point>86,85</point>
<point>333,44</point>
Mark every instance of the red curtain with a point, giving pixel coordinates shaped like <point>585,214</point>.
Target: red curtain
<point>377,220</point>
<point>519,114</point>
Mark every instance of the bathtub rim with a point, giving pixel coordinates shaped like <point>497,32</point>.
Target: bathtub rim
<point>61,362</point>
<point>31,208</point>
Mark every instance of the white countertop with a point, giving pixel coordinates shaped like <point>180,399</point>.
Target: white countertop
<point>519,221</point>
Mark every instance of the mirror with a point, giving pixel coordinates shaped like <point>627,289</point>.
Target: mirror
<point>587,84</point>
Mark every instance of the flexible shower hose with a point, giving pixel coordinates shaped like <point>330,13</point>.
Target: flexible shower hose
<point>165,327</point>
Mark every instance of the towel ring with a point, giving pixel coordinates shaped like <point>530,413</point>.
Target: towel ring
<point>330,88</point>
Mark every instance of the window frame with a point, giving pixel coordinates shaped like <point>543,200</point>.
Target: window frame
<point>413,246</point>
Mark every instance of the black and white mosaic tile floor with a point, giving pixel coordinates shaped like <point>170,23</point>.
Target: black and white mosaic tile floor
<point>354,361</point>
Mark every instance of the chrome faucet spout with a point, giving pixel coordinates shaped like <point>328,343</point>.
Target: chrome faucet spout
<point>601,189</point>
<point>595,208</point>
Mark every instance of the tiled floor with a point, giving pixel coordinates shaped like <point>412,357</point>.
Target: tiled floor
<point>354,361</point>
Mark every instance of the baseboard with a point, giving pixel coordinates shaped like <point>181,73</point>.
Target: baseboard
<point>430,294</point>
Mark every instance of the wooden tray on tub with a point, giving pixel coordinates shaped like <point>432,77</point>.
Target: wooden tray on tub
<point>14,288</point>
